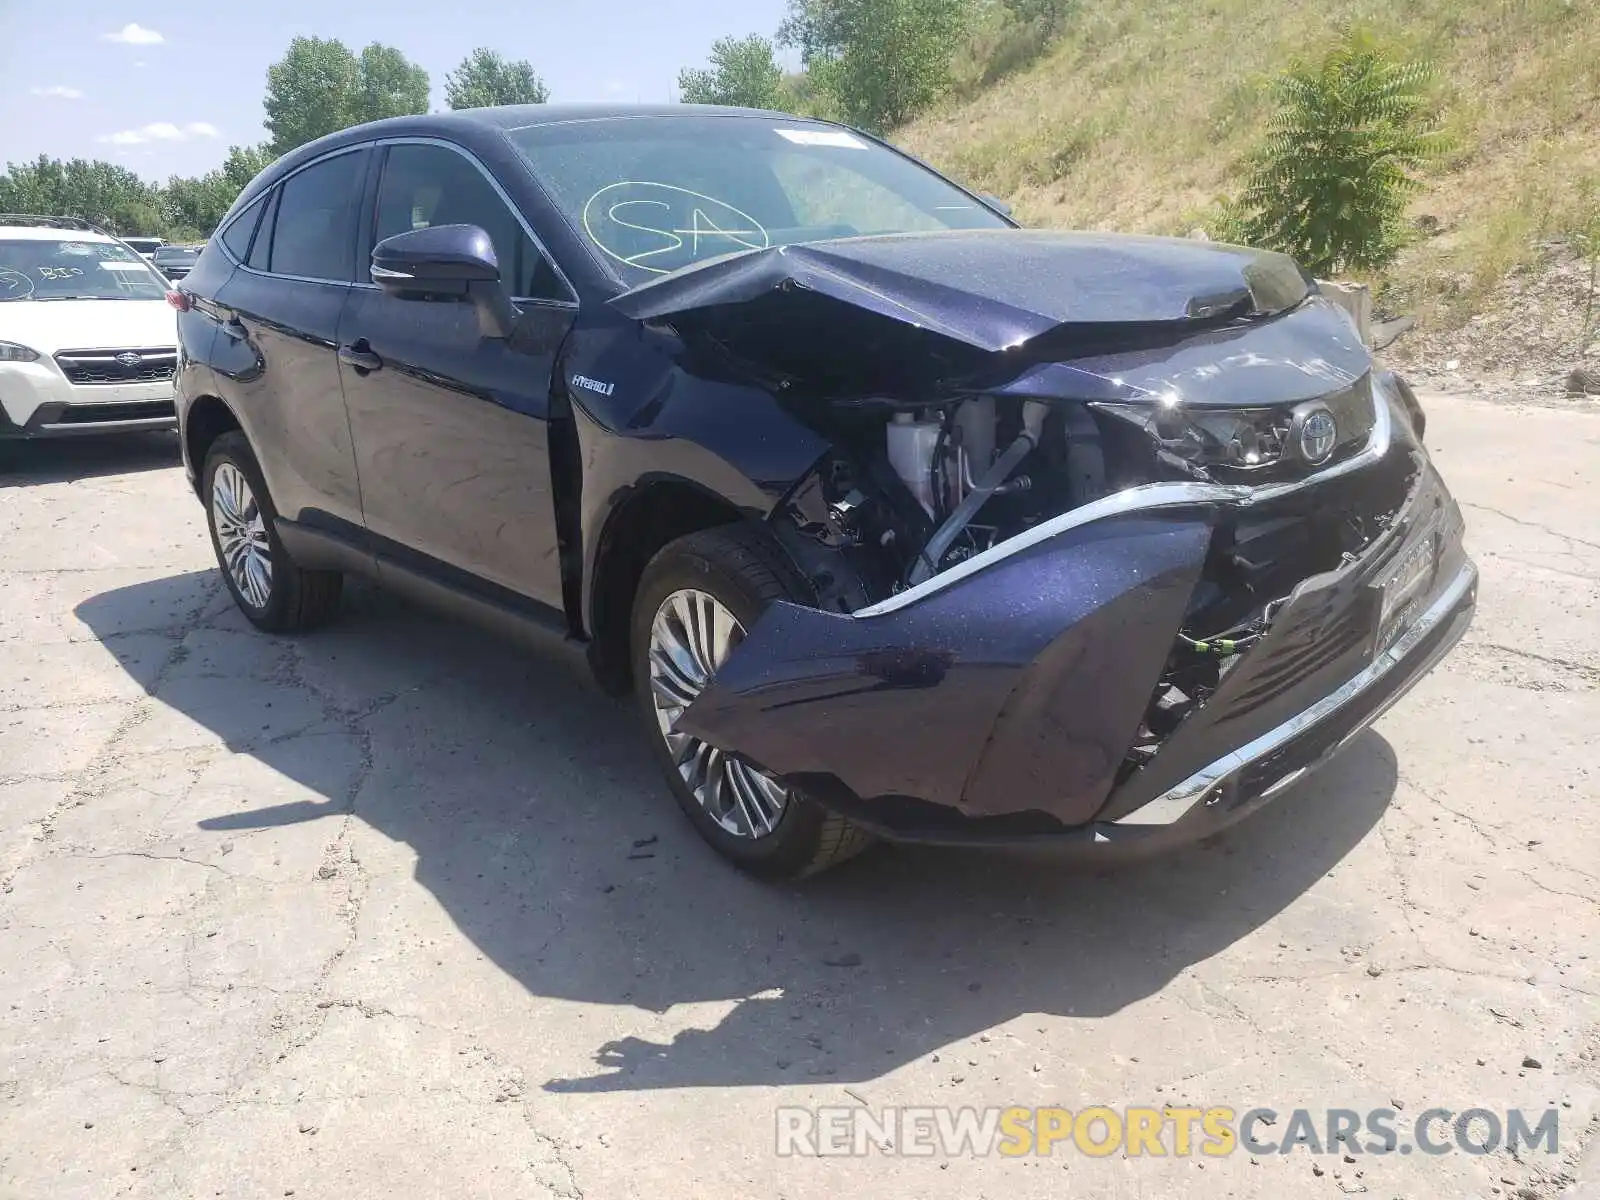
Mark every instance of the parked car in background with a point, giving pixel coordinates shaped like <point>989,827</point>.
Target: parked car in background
<point>897,519</point>
<point>88,341</point>
<point>146,246</point>
<point>175,261</point>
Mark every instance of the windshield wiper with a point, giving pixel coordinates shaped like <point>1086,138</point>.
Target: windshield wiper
<point>96,297</point>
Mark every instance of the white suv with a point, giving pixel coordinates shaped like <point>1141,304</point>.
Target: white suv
<point>88,342</point>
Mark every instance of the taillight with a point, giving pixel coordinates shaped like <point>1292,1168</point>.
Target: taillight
<point>179,301</point>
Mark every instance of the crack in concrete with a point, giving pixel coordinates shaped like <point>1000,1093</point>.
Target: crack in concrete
<point>89,782</point>
<point>1408,905</point>
<point>153,857</point>
<point>1470,821</point>
<point>69,705</point>
<point>567,1189</point>
<point>1587,898</point>
<point>1526,524</point>
<point>1588,674</point>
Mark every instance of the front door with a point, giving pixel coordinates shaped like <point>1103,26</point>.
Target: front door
<point>451,429</point>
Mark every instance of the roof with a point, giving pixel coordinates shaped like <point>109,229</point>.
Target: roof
<point>506,117</point>
<point>49,233</point>
<point>522,116</point>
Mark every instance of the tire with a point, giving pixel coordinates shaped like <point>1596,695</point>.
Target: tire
<point>736,567</point>
<point>293,599</point>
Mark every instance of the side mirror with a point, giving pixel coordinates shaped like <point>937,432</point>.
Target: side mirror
<point>446,262</point>
<point>994,202</point>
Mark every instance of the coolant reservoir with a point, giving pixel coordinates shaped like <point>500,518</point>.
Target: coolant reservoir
<point>911,446</point>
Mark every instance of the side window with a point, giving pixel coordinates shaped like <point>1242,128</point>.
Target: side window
<point>431,185</point>
<point>261,250</point>
<point>314,232</point>
<point>236,237</point>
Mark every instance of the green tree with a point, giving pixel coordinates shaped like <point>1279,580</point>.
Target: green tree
<point>388,85</point>
<point>320,86</point>
<point>485,80</point>
<point>880,61</point>
<point>309,91</point>
<point>119,200</point>
<point>744,72</point>
<point>109,195</point>
<point>193,207</point>
<point>1331,184</point>
<point>243,164</point>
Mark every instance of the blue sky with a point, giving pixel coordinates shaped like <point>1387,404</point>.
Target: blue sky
<point>165,87</point>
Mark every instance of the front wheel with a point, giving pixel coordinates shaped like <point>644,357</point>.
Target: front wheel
<point>272,592</point>
<point>697,599</point>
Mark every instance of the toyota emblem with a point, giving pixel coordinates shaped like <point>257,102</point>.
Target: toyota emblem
<point>129,359</point>
<point>1319,433</point>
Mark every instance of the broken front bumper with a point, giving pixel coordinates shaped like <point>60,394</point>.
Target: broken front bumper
<point>1241,781</point>
<point>997,702</point>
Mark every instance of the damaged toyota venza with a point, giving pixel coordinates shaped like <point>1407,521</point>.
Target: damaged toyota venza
<point>899,520</point>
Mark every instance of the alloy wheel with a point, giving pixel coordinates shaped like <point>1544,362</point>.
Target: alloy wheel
<point>241,534</point>
<point>691,636</point>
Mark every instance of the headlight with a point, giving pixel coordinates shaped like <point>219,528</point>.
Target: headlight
<point>11,352</point>
<point>1300,436</point>
<point>1387,387</point>
<point>1244,439</point>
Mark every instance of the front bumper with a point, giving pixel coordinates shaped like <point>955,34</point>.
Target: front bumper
<point>37,401</point>
<point>1235,785</point>
<point>998,703</point>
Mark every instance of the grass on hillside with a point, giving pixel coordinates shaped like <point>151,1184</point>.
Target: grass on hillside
<point>1139,116</point>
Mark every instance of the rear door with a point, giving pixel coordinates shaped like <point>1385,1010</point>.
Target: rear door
<point>277,348</point>
<point>451,429</point>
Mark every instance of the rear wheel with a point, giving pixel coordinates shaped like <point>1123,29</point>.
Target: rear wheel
<point>271,591</point>
<point>697,599</point>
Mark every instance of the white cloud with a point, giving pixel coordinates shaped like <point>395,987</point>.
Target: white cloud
<point>133,34</point>
<point>159,131</point>
<point>57,92</point>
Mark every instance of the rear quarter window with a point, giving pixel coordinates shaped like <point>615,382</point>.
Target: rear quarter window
<point>236,237</point>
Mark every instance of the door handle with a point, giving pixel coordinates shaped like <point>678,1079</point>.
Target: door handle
<point>358,355</point>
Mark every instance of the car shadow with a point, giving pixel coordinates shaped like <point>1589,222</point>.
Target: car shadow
<point>62,460</point>
<point>539,825</point>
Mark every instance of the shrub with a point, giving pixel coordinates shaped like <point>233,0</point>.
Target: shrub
<point>877,62</point>
<point>743,72</point>
<point>1331,183</point>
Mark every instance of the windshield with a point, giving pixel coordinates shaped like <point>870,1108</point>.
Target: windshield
<point>47,269</point>
<point>653,194</point>
<point>182,256</point>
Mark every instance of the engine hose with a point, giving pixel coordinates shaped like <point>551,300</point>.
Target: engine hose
<point>947,533</point>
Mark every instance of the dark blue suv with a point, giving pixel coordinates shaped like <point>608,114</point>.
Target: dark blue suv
<point>898,519</point>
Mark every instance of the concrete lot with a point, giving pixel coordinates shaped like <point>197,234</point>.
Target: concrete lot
<point>370,913</point>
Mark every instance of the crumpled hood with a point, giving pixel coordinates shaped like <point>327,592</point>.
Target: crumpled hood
<point>995,289</point>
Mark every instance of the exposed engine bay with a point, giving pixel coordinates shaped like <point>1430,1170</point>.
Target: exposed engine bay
<point>915,491</point>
